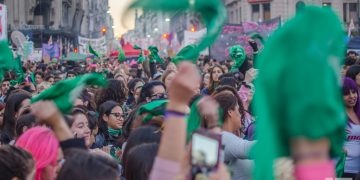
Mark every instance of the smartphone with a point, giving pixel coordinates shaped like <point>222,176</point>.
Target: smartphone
<point>205,150</point>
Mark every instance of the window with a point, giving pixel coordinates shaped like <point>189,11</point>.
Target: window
<point>345,18</point>
<point>255,12</point>
<point>353,11</point>
<point>267,12</point>
<point>236,20</point>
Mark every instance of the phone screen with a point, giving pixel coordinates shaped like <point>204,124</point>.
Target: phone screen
<point>204,151</point>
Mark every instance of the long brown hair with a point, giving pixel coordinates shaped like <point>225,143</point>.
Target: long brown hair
<point>212,83</point>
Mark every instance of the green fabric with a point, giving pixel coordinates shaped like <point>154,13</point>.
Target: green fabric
<point>257,36</point>
<point>20,75</point>
<point>298,89</point>
<point>121,56</point>
<point>92,51</point>
<point>114,132</point>
<point>6,58</point>
<point>238,55</point>
<point>154,56</point>
<point>213,13</point>
<point>183,55</point>
<point>65,92</point>
<point>137,47</point>
<point>141,57</point>
<point>340,165</point>
<point>155,108</point>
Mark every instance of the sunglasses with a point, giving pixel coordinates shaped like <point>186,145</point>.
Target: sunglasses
<point>159,96</point>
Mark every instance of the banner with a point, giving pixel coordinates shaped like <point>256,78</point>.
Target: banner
<point>194,38</point>
<point>50,51</point>
<point>239,34</point>
<point>98,45</point>
<point>3,22</point>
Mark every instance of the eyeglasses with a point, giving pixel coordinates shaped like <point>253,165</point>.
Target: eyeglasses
<point>118,115</point>
<point>159,96</point>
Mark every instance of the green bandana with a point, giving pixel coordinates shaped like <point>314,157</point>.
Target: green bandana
<point>183,55</point>
<point>92,51</point>
<point>298,90</point>
<point>121,56</point>
<point>154,56</point>
<point>66,91</point>
<point>18,71</point>
<point>213,13</point>
<point>141,57</point>
<point>238,55</point>
<point>6,58</point>
<point>114,132</point>
<point>155,108</point>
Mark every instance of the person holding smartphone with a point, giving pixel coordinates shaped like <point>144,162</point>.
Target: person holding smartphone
<point>172,149</point>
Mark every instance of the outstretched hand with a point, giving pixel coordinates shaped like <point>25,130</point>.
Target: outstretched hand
<point>182,87</point>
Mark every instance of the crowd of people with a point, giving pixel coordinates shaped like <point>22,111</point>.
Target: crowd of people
<point>135,128</point>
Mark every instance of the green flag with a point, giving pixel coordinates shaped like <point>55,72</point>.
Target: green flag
<point>137,47</point>
<point>6,58</point>
<point>92,51</point>
<point>212,12</point>
<point>154,55</point>
<point>298,90</point>
<point>20,75</point>
<point>121,56</point>
<point>141,57</point>
<point>65,92</point>
<point>238,55</point>
<point>155,108</point>
<point>184,55</point>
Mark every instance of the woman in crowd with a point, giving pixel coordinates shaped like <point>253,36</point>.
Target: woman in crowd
<point>140,160</point>
<point>82,165</point>
<point>215,72</point>
<point>352,144</point>
<point>134,86</point>
<point>16,163</point>
<point>16,104</point>
<point>42,144</point>
<point>79,124</point>
<point>236,150</point>
<point>354,73</point>
<point>115,91</point>
<point>111,119</point>
<point>154,90</point>
<point>205,80</point>
<point>50,79</point>
<point>141,135</point>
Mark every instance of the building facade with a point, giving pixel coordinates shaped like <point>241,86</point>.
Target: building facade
<point>63,20</point>
<point>260,10</point>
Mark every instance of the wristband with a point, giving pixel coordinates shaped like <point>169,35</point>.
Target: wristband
<point>178,114</point>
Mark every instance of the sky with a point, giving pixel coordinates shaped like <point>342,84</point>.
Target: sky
<point>117,8</point>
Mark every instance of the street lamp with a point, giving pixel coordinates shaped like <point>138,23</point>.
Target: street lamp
<point>156,29</point>
<point>148,36</point>
<point>167,20</point>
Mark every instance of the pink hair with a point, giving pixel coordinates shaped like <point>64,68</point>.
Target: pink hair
<point>43,146</point>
